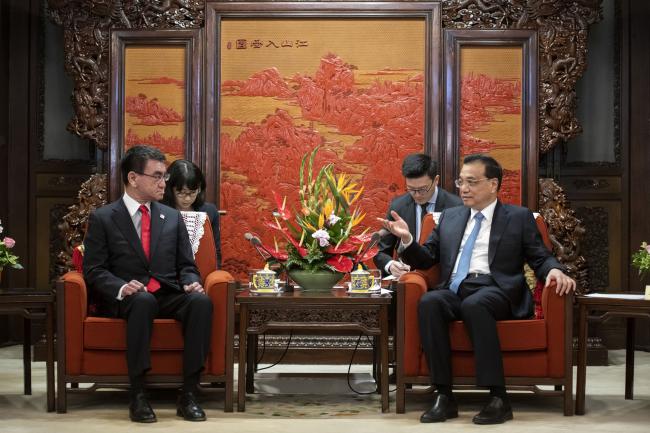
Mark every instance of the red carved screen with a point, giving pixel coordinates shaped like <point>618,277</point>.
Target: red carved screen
<point>355,87</point>
<point>155,98</point>
<point>491,110</point>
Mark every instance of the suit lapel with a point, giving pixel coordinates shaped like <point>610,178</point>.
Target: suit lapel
<point>454,233</point>
<point>409,216</point>
<point>157,222</point>
<point>440,200</point>
<point>499,224</point>
<point>124,223</point>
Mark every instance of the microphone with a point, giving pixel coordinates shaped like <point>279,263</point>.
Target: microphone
<point>374,240</point>
<point>257,244</point>
<point>381,233</point>
<point>250,237</point>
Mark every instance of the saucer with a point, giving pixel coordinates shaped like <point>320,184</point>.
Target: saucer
<point>374,289</point>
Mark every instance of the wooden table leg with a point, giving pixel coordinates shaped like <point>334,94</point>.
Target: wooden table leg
<point>27,355</point>
<point>629,359</point>
<point>582,361</point>
<point>49,364</point>
<point>383,315</point>
<point>376,356</point>
<point>241,372</point>
<point>251,363</point>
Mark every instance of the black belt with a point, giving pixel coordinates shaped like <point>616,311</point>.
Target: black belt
<point>475,275</point>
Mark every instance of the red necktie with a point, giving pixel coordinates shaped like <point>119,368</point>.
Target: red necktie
<point>145,236</point>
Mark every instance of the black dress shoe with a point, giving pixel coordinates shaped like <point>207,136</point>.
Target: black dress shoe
<point>443,408</point>
<point>140,410</point>
<point>497,411</point>
<point>188,408</point>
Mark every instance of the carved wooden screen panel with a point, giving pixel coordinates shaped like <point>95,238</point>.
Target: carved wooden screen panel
<point>358,83</point>
<point>491,88</point>
<point>155,88</point>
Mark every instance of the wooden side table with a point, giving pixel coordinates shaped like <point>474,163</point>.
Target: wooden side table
<point>304,310</point>
<point>33,304</point>
<point>623,304</point>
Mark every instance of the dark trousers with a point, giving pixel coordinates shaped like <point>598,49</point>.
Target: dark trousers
<point>479,304</point>
<point>193,310</point>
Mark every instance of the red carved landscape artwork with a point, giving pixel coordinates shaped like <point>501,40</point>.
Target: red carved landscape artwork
<point>354,87</point>
<point>155,98</point>
<point>491,111</point>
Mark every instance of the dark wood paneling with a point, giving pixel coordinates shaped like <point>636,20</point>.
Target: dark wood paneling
<point>639,143</point>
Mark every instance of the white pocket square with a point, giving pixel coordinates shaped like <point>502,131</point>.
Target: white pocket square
<point>162,217</point>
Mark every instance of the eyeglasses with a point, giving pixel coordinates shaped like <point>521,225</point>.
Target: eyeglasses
<point>469,182</point>
<point>419,191</point>
<point>157,176</point>
<point>188,194</point>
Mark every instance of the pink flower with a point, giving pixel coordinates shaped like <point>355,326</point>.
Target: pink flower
<point>647,248</point>
<point>9,242</point>
<point>322,236</point>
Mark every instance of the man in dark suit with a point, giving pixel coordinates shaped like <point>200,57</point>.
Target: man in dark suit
<point>481,248</point>
<point>138,265</point>
<point>422,196</point>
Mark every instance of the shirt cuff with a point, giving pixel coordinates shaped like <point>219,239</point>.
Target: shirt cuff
<point>404,245</point>
<point>387,267</point>
<point>120,296</point>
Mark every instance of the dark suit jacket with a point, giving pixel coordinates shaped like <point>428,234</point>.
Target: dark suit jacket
<point>213,214</point>
<point>404,205</point>
<point>514,238</point>
<point>114,255</point>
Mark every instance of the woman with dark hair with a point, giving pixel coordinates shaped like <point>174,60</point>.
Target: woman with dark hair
<point>185,191</point>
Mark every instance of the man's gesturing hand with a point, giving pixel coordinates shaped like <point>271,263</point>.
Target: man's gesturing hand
<point>398,227</point>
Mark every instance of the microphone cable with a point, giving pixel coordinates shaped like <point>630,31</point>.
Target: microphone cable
<point>286,349</point>
<point>376,390</point>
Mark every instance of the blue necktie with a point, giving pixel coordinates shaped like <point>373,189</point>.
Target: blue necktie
<point>466,255</point>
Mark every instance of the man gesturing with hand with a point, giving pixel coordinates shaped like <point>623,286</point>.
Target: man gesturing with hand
<point>481,248</point>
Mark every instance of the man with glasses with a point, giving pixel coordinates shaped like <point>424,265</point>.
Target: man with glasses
<point>422,196</point>
<point>481,248</point>
<point>138,265</point>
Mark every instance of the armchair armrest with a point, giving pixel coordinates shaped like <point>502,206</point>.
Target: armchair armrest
<point>410,289</point>
<point>221,294</point>
<point>558,315</point>
<point>72,304</point>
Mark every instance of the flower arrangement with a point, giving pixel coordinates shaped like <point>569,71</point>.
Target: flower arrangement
<point>641,260</point>
<point>322,234</point>
<point>7,258</point>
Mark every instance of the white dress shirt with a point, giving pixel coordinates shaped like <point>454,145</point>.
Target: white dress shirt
<point>479,262</point>
<point>133,207</point>
<point>134,211</point>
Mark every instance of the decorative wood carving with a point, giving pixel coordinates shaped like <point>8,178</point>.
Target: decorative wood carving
<point>562,33</point>
<point>259,318</point>
<point>92,195</point>
<point>86,26</point>
<point>596,245</point>
<point>591,184</point>
<point>565,231</point>
<point>57,213</point>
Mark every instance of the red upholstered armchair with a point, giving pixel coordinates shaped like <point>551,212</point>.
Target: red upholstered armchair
<point>535,352</point>
<point>93,349</point>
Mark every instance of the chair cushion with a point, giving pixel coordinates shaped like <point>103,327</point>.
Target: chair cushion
<point>514,335</point>
<point>110,334</point>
